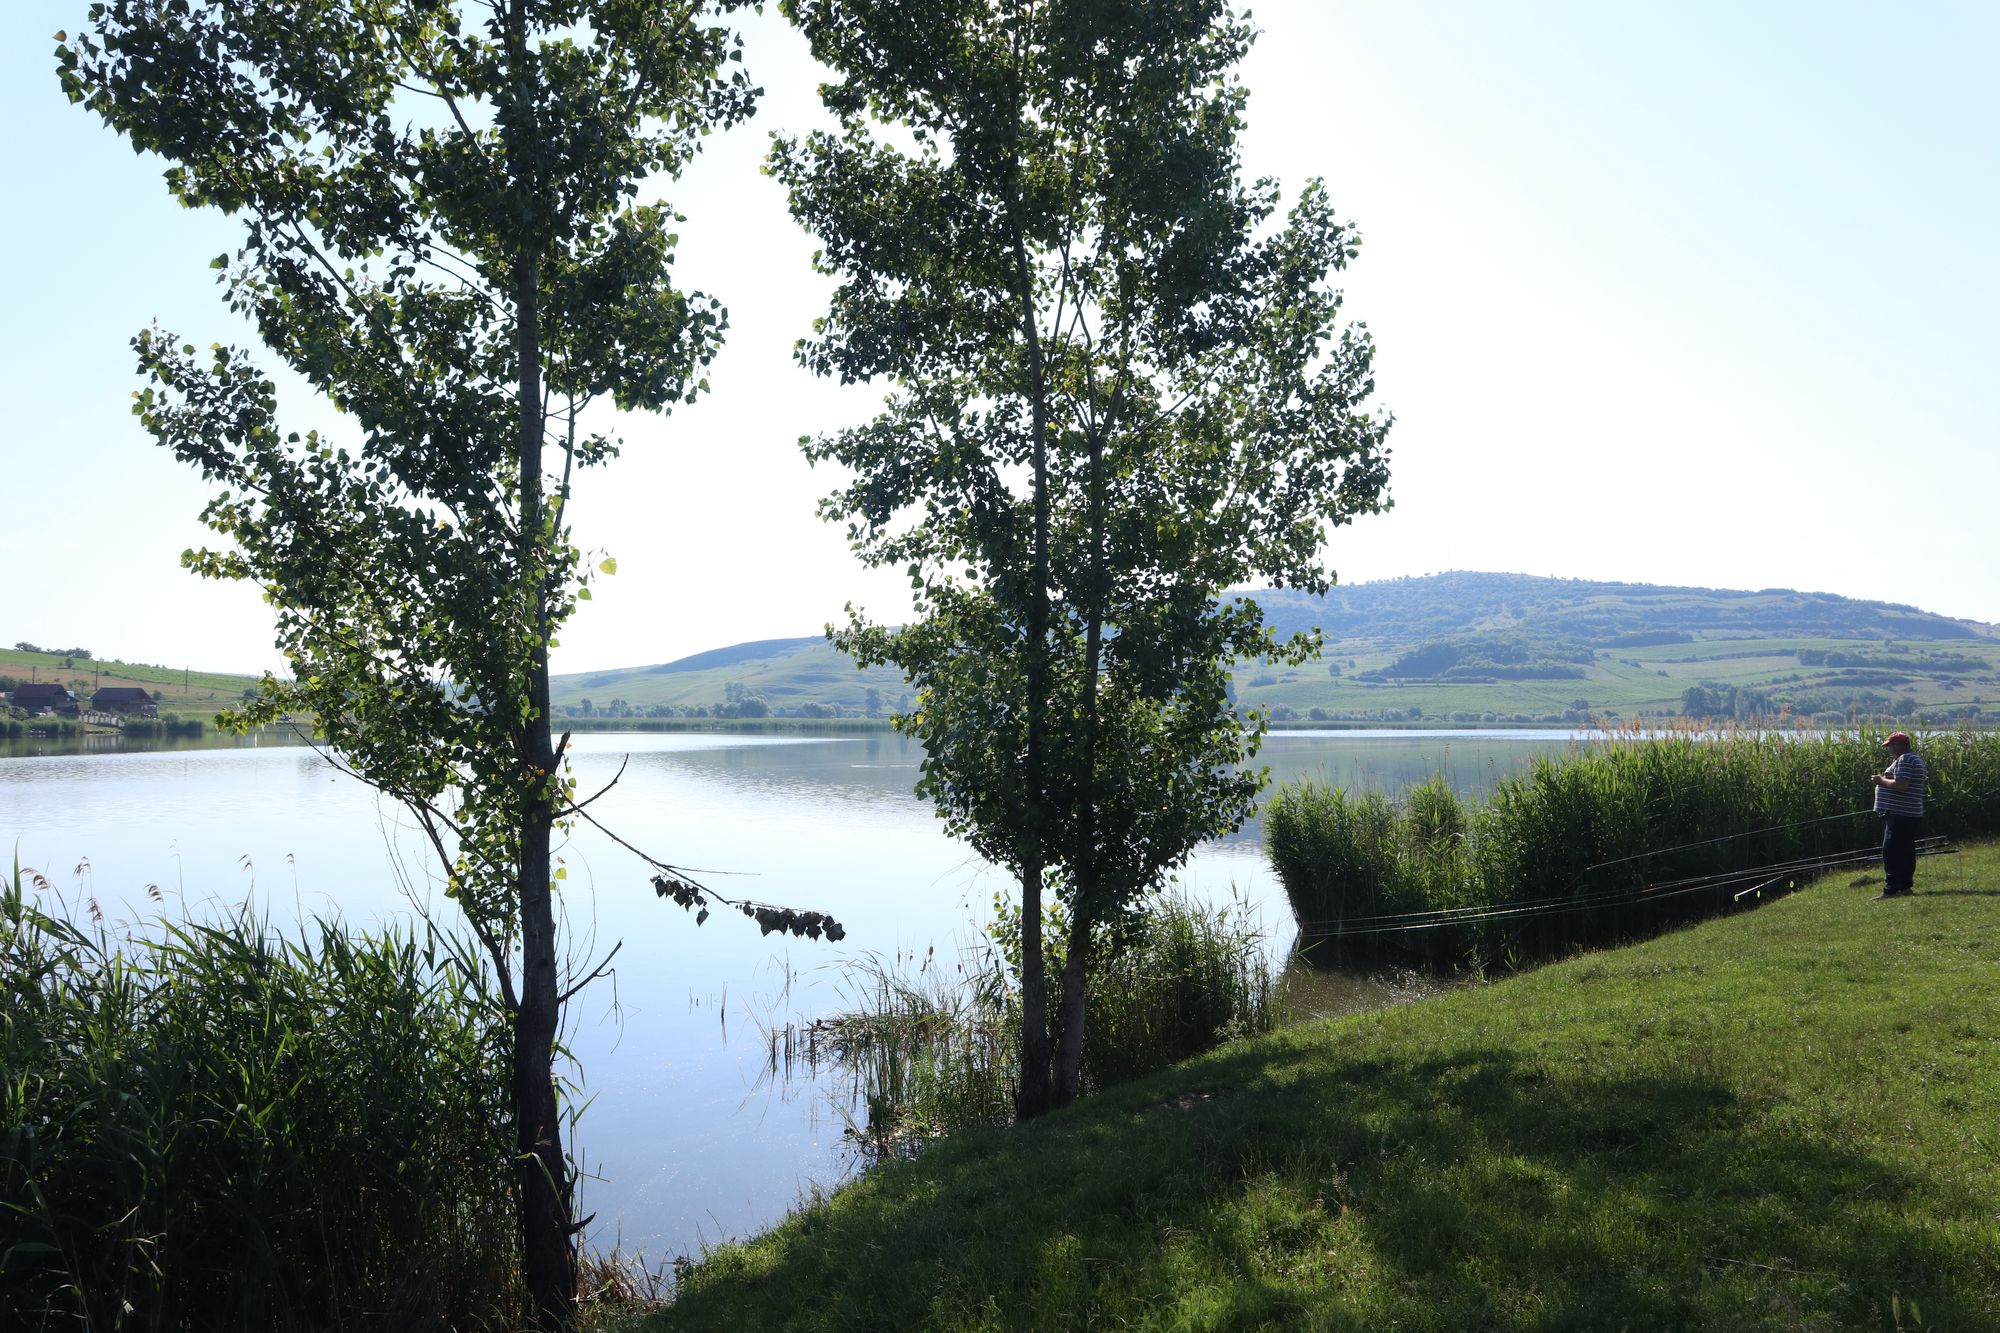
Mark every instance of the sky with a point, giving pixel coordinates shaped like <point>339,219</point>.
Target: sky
<point>1702,294</point>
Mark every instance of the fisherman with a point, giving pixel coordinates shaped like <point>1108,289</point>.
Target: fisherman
<point>1899,799</point>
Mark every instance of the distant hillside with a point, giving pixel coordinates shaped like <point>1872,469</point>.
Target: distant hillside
<point>787,677</point>
<point>179,690</point>
<point>1602,614</point>
<point>1466,647</point>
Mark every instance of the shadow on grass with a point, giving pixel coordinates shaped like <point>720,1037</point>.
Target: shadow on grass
<point>1282,1185</point>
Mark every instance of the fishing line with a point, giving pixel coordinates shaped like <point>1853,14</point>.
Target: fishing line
<point>1444,915</point>
<point>1337,931</point>
<point>1751,833</point>
<point>1559,905</point>
<point>1727,837</point>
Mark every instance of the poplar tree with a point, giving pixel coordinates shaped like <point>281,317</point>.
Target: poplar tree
<point>1120,385</point>
<point>444,235</point>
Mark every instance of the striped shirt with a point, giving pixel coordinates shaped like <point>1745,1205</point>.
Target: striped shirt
<point>1907,767</point>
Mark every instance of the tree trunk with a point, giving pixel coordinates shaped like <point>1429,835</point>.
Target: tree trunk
<point>1086,897</point>
<point>1033,1096</point>
<point>1070,1016</point>
<point>548,1255</point>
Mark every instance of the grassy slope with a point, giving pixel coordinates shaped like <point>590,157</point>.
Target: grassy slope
<point>1785,1120</point>
<point>192,693</point>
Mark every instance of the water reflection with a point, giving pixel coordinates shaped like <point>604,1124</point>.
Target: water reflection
<point>693,1138</point>
<point>118,742</point>
<point>840,771</point>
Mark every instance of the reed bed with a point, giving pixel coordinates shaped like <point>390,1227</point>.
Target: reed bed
<point>211,1126</point>
<point>169,724</point>
<point>927,1049</point>
<point>1638,810</point>
<point>14,728</point>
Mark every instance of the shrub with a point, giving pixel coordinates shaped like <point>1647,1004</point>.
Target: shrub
<point>1185,980</point>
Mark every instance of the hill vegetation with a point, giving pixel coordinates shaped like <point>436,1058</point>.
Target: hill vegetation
<point>1464,648</point>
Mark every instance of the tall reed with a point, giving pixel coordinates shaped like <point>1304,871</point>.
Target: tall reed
<point>1633,811</point>
<point>932,1050</point>
<point>211,1126</point>
<point>1185,979</point>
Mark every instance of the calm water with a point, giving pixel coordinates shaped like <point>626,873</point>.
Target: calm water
<point>692,1139</point>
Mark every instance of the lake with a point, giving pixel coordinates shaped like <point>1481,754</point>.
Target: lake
<point>688,1138</point>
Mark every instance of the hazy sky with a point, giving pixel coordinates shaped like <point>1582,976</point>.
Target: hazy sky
<point>1699,294</point>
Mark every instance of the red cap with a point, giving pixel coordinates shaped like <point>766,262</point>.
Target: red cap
<point>1895,736</point>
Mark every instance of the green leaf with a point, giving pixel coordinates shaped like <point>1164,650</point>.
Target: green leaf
<point>609,564</point>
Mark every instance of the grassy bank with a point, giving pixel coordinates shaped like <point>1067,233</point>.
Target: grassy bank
<point>1777,1121</point>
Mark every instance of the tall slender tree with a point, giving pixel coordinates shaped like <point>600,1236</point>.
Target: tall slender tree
<point>1121,386</point>
<point>444,235</point>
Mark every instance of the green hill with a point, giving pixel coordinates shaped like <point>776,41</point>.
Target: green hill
<point>1468,647</point>
<point>1460,602</point>
<point>789,677</point>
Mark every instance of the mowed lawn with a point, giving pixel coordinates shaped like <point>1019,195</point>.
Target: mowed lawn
<point>1789,1119</point>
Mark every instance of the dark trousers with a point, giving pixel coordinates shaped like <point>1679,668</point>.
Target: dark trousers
<point>1899,851</point>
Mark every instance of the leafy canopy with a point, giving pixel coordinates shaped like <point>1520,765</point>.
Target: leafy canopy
<point>1119,385</point>
<point>444,235</point>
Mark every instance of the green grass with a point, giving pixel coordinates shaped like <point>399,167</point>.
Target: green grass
<point>752,726</point>
<point>794,673</point>
<point>1783,1120</point>
<point>789,673</point>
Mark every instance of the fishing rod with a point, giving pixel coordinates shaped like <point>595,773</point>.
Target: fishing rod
<point>1727,837</point>
<point>1410,922</point>
<point>1750,833</point>
<point>1624,894</point>
<point>1563,904</point>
